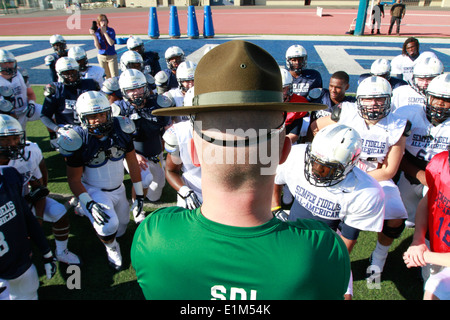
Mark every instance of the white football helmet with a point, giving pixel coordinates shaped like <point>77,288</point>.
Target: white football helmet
<point>135,43</point>
<point>94,102</point>
<point>381,68</point>
<point>185,72</point>
<point>439,87</point>
<point>68,69</point>
<point>370,88</point>
<point>336,147</point>
<point>286,79</point>
<point>426,68</point>
<point>131,60</point>
<point>58,44</point>
<point>9,126</point>
<point>133,79</point>
<point>172,52</point>
<point>5,57</point>
<point>296,51</point>
<point>80,56</point>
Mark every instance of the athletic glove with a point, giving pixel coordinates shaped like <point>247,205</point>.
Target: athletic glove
<point>97,210</point>
<point>31,109</point>
<point>49,265</point>
<point>280,214</point>
<point>139,202</point>
<point>190,198</point>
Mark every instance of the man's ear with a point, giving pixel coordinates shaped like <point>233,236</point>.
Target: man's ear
<point>193,153</point>
<point>286,149</point>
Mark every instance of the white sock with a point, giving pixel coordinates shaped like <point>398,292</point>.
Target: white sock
<point>61,245</point>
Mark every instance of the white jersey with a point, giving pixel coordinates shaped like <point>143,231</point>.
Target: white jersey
<point>17,84</point>
<point>425,140</point>
<point>377,139</point>
<point>358,200</point>
<point>406,96</point>
<point>178,97</point>
<point>29,169</point>
<point>94,72</point>
<point>182,132</point>
<point>403,64</point>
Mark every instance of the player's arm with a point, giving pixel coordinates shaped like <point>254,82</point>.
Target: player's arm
<point>135,176</point>
<point>276,196</point>
<point>173,171</point>
<point>320,123</point>
<point>30,94</point>
<point>391,162</point>
<point>74,180</point>
<point>412,170</point>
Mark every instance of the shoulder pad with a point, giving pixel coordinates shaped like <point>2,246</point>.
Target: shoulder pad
<point>49,59</point>
<point>164,101</point>
<point>170,139</point>
<point>69,141</point>
<point>49,89</point>
<point>315,94</point>
<point>336,112</point>
<point>407,131</point>
<point>126,124</point>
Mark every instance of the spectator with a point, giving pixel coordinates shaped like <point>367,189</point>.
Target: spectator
<point>104,40</point>
<point>377,13</point>
<point>398,11</point>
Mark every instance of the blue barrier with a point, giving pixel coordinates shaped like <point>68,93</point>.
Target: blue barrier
<point>174,25</point>
<point>192,30</point>
<point>208,27</point>
<point>153,27</point>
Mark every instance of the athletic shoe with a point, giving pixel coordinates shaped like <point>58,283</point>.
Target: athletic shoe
<point>140,218</point>
<point>114,257</point>
<point>68,257</point>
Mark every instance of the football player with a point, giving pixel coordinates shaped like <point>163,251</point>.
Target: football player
<point>303,79</point>
<point>95,153</point>
<point>185,77</point>
<point>87,71</point>
<point>382,68</point>
<point>430,132</point>
<point>430,246</point>
<point>58,108</point>
<point>19,279</point>
<point>383,135</point>
<point>16,91</point>
<point>181,173</point>
<point>174,56</point>
<point>59,46</point>
<point>328,186</point>
<point>403,64</point>
<point>151,58</point>
<point>424,71</point>
<point>27,158</point>
<point>137,104</point>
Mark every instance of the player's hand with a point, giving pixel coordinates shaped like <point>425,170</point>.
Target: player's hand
<point>138,203</point>
<point>31,109</point>
<point>280,214</point>
<point>97,211</point>
<point>190,198</point>
<point>49,265</point>
<point>414,256</point>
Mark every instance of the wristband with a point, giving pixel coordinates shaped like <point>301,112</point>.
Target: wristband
<point>138,189</point>
<point>84,198</point>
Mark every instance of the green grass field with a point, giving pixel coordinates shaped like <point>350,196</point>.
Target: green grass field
<point>99,282</point>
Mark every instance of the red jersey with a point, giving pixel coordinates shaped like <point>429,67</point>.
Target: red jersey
<point>438,180</point>
<point>291,116</point>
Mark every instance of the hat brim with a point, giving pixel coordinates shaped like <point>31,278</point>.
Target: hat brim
<point>269,106</point>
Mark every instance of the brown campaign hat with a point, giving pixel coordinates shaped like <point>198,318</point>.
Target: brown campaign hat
<point>237,75</point>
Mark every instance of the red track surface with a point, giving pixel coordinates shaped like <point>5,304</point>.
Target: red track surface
<point>245,20</point>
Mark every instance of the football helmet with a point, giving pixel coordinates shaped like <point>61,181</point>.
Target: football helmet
<point>335,150</point>
<point>133,79</point>
<point>371,88</point>
<point>5,57</point>
<point>426,68</point>
<point>131,60</point>
<point>94,102</point>
<point>172,52</point>
<point>296,51</point>
<point>68,69</point>
<point>185,72</point>
<point>58,44</point>
<point>439,87</point>
<point>286,79</point>
<point>381,68</point>
<point>79,55</point>
<point>9,126</point>
<point>135,44</point>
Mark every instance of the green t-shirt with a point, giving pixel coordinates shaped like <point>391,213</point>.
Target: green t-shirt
<point>179,254</point>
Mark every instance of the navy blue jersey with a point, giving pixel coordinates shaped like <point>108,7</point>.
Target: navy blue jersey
<point>52,66</point>
<point>18,227</point>
<point>62,103</point>
<point>307,80</point>
<point>149,128</point>
<point>325,99</point>
<point>151,59</point>
<point>95,152</point>
<point>172,82</point>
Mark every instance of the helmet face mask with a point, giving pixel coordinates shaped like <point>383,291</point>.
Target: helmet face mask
<point>373,98</point>
<point>130,81</point>
<point>8,64</point>
<point>94,112</point>
<point>174,57</point>
<point>68,70</point>
<point>131,60</point>
<point>185,75</point>
<point>321,173</point>
<point>12,138</point>
<point>296,58</point>
<point>437,104</point>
